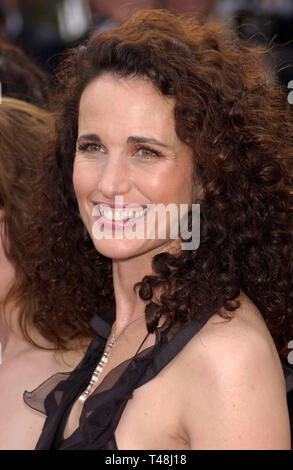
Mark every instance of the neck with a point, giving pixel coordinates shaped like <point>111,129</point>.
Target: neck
<point>126,273</point>
<point>129,305</point>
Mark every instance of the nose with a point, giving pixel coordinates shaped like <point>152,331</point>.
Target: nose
<point>114,178</point>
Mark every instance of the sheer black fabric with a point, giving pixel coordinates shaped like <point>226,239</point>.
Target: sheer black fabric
<point>102,410</point>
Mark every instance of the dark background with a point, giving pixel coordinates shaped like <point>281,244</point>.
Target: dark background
<point>44,29</point>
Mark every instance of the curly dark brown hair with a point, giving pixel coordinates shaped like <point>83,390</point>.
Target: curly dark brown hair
<point>24,131</point>
<point>234,115</point>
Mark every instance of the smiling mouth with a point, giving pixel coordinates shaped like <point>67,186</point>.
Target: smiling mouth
<point>118,215</point>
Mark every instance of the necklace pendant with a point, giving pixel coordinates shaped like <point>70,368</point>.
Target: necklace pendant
<point>82,398</point>
<point>98,370</point>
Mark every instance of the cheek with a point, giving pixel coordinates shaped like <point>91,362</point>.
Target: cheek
<point>180,186</point>
<point>76,184</point>
<point>170,186</point>
<point>84,180</point>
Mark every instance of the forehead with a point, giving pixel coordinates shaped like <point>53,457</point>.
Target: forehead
<point>132,104</point>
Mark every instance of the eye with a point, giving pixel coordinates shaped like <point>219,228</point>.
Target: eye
<point>90,147</point>
<point>147,153</point>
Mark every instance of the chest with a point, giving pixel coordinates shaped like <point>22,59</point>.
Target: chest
<point>19,425</point>
<point>151,418</point>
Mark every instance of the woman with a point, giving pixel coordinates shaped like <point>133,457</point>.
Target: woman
<point>166,111</point>
<point>37,337</point>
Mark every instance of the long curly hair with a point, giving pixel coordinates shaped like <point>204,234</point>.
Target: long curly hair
<point>235,117</point>
<point>24,131</point>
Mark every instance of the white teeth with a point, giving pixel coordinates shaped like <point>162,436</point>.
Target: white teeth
<point>117,214</point>
<point>107,214</point>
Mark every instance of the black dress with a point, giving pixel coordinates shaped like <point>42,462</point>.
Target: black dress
<point>103,408</point>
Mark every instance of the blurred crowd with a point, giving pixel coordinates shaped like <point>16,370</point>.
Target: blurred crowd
<point>45,29</point>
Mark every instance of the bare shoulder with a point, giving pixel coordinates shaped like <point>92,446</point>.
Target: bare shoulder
<point>234,385</point>
<point>236,341</point>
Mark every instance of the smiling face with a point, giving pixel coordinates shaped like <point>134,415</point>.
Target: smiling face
<point>127,146</point>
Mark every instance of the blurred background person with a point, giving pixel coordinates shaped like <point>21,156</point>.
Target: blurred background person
<point>24,130</point>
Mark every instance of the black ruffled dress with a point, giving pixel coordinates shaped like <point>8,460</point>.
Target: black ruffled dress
<point>103,408</point>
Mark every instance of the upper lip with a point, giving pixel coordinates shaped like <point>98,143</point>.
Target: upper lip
<point>133,205</point>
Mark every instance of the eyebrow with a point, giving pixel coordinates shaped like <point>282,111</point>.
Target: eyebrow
<point>145,140</point>
<point>130,140</point>
<point>94,137</point>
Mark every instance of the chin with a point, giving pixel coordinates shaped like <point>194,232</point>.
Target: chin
<point>118,249</point>
<point>127,249</point>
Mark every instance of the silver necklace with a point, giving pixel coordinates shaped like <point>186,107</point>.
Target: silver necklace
<point>104,359</point>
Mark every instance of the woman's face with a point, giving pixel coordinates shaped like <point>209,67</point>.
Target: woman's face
<point>127,146</point>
